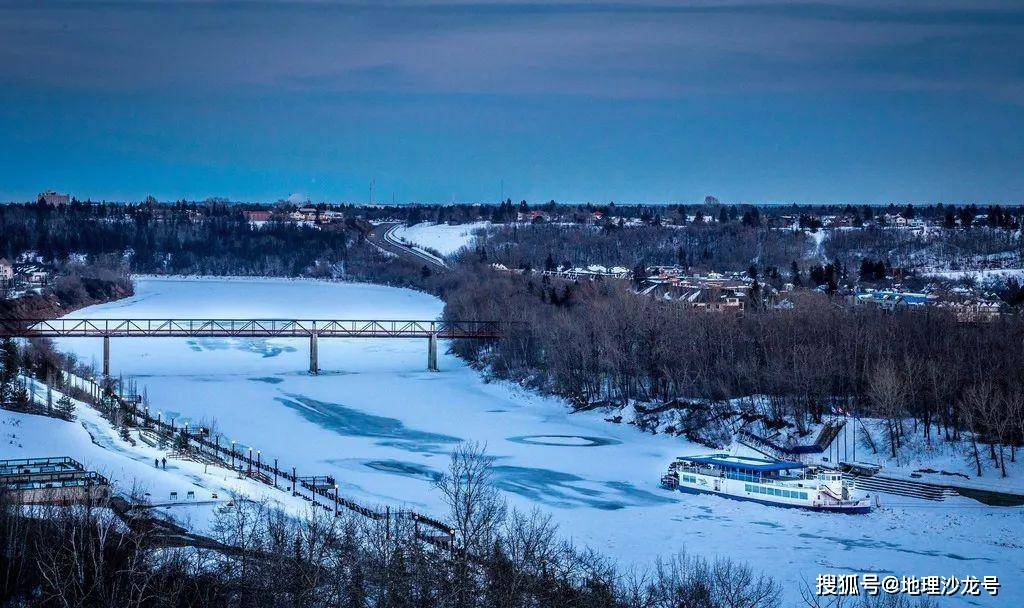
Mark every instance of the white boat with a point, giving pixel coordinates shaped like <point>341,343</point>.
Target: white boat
<point>773,482</point>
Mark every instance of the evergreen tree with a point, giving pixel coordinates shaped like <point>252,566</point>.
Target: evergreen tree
<point>64,407</point>
<point>794,275</point>
<point>9,369</point>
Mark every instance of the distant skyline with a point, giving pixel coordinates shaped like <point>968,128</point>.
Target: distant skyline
<point>761,101</point>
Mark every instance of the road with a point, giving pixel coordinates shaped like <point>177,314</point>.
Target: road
<point>383,238</point>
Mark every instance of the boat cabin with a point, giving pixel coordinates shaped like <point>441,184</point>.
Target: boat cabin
<point>745,468</point>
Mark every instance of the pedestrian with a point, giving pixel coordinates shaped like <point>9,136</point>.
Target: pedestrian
<point>156,462</point>
<point>165,463</point>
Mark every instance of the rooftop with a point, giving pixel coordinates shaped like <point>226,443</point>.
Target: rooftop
<point>744,463</point>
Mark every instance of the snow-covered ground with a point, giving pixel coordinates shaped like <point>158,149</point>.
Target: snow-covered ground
<point>383,425</point>
<point>442,238</point>
<point>990,275</point>
<point>92,441</point>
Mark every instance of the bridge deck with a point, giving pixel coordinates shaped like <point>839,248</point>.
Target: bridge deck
<point>248,328</point>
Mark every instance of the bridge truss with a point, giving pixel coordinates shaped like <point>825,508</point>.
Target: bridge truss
<point>247,328</point>
<point>313,329</point>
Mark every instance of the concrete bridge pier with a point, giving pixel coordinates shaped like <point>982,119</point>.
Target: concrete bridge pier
<point>432,352</point>
<point>314,364</point>
<point>106,356</point>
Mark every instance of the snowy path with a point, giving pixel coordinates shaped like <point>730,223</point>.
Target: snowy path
<point>384,427</point>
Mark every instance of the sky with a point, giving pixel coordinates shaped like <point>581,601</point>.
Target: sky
<point>760,101</point>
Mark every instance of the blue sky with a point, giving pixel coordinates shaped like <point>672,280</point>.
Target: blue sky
<point>757,101</point>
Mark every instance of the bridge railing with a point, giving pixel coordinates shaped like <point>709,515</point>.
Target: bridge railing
<point>325,328</point>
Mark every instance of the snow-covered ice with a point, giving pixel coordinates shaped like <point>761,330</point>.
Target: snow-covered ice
<point>383,425</point>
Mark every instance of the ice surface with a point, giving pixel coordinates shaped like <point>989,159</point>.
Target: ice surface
<point>383,425</point>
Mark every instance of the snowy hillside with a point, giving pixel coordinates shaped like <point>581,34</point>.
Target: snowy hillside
<point>442,238</point>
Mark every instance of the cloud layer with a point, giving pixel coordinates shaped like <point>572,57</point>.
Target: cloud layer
<point>625,63</point>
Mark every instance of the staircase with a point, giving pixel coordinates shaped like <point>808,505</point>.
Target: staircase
<point>902,487</point>
<point>828,434</point>
<point>759,444</point>
<point>260,476</point>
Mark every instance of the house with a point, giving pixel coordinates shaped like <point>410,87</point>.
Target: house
<point>971,306</point>
<point>713,292</point>
<point>54,199</point>
<point>256,216</point>
<point>712,299</point>
<point>309,214</point>
<point>329,215</point>
<point>973,310</point>
<point>533,216</point>
<point>892,300</point>
<point>32,273</point>
<point>838,221</point>
<point>6,270</point>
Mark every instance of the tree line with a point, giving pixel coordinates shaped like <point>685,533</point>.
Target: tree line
<point>600,343</point>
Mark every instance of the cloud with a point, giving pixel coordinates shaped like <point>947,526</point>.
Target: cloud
<point>595,49</point>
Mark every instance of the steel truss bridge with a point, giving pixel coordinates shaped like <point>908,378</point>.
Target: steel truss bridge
<point>313,329</point>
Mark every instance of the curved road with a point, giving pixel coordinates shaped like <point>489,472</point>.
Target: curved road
<point>383,238</point>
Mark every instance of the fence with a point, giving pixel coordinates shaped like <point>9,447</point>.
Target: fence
<point>312,488</point>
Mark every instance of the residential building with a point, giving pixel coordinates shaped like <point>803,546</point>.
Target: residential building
<point>55,199</point>
<point>257,216</point>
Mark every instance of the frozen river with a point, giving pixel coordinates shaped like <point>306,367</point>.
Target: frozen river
<point>379,422</point>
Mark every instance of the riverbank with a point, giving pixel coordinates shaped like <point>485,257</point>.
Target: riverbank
<point>65,297</point>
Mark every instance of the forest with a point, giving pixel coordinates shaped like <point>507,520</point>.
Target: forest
<point>599,343</point>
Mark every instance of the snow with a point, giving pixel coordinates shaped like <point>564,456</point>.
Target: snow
<point>442,238</point>
<point>92,441</point>
<point>383,425</point>
<point>938,462</point>
<point>818,239</point>
<point>986,276</point>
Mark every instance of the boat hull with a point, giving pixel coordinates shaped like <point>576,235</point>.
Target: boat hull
<point>851,510</point>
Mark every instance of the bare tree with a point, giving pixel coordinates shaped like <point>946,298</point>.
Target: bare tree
<point>888,392</point>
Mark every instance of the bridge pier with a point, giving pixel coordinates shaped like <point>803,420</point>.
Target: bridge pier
<point>106,356</point>
<point>314,364</point>
<point>432,352</point>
